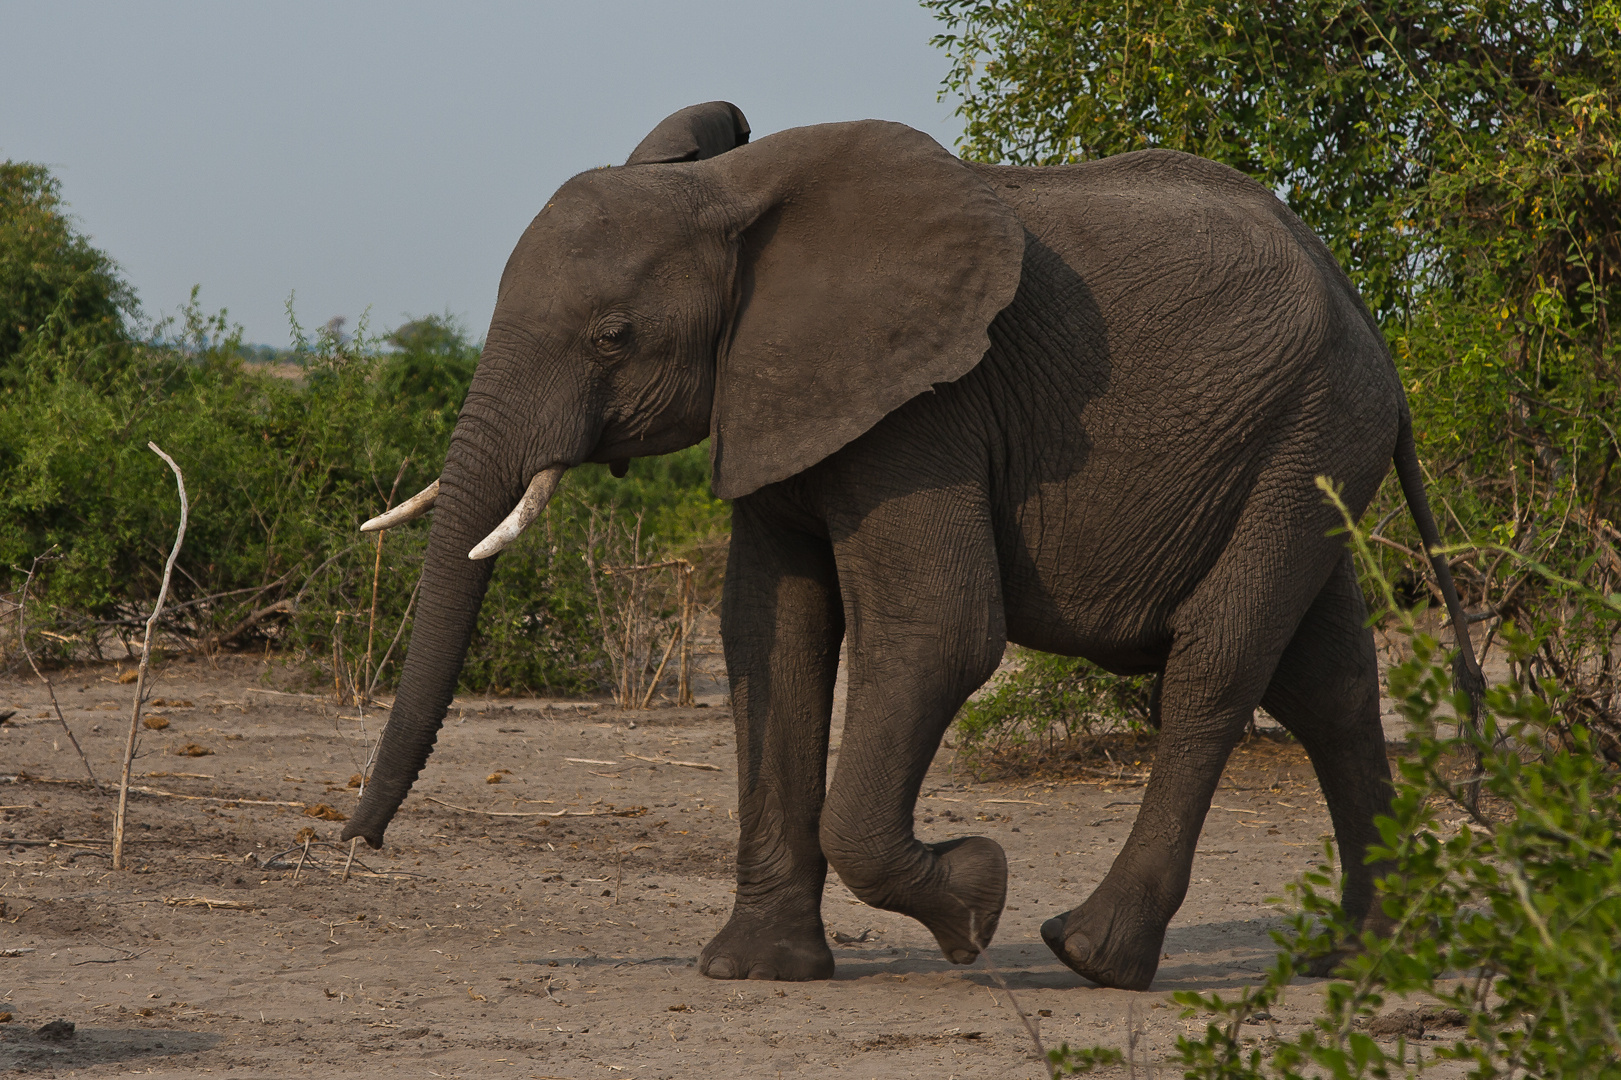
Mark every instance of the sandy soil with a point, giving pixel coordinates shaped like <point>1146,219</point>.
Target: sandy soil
<point>530,946</point>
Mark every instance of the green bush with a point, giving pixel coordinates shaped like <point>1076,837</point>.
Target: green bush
<point>1047,701</point>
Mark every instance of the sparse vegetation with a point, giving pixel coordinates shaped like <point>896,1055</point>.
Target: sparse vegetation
<point>1049,705</point>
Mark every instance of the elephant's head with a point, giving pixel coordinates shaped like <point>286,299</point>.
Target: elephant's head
<point>779,296</point>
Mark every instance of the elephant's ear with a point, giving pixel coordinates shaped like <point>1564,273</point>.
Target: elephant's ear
<point>693,134</point>
<point>870,264</point>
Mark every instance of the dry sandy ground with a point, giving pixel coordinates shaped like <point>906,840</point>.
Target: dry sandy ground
<point>526,946</point>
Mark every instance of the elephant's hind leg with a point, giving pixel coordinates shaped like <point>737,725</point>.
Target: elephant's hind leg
<point>1326,692</point>
<point>1228,636</point>
<point>782,624</point>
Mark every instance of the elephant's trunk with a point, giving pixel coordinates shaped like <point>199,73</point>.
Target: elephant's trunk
<point>475,494</point>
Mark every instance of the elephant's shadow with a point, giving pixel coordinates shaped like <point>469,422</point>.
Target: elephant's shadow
<point>1244,945</point>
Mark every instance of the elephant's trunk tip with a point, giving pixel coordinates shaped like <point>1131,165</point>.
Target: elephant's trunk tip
<point>534,500</point>
<point>373,836</point>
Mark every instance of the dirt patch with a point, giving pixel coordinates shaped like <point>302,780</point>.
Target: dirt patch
<point>482,945</point>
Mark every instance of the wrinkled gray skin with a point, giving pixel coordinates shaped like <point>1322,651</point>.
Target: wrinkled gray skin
<point>1079,408</point>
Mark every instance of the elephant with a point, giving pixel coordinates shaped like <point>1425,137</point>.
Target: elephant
<point>1081,408</point>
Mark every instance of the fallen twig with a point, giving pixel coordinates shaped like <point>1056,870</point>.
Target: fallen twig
<point>213,798</point>
<point>670,761</point>
<point>146,656</point>
<point>1116,774</point>
<point>210,904</point>
<point>129,954</point>
<point>74,842</point>
<point>629,811</point>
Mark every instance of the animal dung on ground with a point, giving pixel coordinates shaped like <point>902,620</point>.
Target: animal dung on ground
<point>172,703</point>
<point>495,777</point>
<point>155,722</point>
<point>1403,1022</point>
<point>356,780</point>
<point>191,749</point>
<point>325,813</point>
<point>127,677</point>
<point>306,833</point>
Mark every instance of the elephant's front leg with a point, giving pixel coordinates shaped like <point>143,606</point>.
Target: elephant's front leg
<point>926,628</point>
<point>782,625</point>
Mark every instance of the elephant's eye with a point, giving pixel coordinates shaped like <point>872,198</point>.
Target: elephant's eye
<point>612,338</point>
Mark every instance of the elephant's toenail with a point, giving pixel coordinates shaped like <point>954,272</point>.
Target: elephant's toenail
<point>1052,932</point>
<point>964,956</point>
<point>721,967</point>
<point>763,971</point>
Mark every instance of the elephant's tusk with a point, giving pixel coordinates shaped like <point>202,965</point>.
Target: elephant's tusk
<point>524,514</point>
<point>409,510</point>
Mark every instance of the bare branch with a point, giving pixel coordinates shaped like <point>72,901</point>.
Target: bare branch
<point>146,656</point>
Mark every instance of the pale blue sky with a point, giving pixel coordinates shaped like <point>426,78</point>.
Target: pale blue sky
<point>387,155</point>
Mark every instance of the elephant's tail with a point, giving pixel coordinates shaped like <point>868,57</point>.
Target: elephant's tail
<point>1465,668</point>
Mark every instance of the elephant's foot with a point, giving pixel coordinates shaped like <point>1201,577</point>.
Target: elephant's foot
<point>755,947</point>
<point>967,898</point>
<point>1324,965</point>
<point>1104,942</point>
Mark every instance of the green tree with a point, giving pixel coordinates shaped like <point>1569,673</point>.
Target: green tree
<point>430,367</point>
<point>47,267</point>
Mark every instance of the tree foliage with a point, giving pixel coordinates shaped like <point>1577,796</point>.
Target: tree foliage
<point>47,268</point>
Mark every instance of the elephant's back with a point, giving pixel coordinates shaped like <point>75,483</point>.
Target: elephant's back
<point>1203,333</point>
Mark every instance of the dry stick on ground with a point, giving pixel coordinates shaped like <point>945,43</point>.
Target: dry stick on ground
<point>666,761</point>
<point>684,686</point>
<point>652,687</point>
<point>146,656</point>
<point>1029,1025</point>
<point>632,811</point>
<point>376,571</point>
<point>381,664</point>
<point>22,639</point>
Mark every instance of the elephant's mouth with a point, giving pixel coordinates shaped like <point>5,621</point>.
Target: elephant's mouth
<point>535,497</point>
